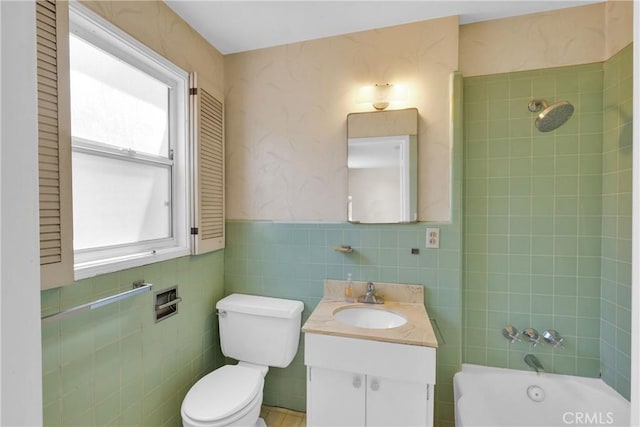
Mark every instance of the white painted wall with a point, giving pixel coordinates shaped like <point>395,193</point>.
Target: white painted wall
<point>0,209</point>
<point>21,354</point>
<point>635,280</point>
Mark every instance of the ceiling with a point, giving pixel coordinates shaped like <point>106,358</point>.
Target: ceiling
<point>237,26</point>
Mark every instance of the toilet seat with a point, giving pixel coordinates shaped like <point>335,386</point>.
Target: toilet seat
<point>223,395</point>
<point>247,416</point>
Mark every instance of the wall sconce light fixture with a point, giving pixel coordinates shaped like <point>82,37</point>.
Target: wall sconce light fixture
<point>381,96</point>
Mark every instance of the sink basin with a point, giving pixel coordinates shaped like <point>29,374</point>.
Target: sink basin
<point>369,317</point>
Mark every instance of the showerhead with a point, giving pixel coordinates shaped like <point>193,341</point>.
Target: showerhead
<point>552,116</point>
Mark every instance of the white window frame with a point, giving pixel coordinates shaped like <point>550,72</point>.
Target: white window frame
<point>97,31</point>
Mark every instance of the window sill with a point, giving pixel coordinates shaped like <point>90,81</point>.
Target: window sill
<point>96,268</point>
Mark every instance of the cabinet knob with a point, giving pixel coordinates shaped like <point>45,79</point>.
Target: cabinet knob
<point>375,385</point>
<point>357,382</point>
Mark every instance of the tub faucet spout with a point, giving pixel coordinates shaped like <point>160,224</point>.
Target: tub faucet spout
<point>534,363</point>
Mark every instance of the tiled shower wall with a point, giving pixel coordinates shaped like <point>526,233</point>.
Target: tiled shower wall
<point>115,365</point>
<point>547,219</point>
<point>615,324</point>
<point>532,218</point>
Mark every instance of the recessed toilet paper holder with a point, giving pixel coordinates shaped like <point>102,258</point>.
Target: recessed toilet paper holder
<point>166,303</point>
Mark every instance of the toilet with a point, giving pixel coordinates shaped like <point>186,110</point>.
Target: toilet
<point>259,332</point>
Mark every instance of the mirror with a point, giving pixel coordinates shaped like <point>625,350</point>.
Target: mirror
<point>382,161</point>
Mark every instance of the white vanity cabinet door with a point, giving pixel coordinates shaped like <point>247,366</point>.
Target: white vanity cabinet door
<point>335,398</point>
<point>356,382</point>
<point>393,402</point>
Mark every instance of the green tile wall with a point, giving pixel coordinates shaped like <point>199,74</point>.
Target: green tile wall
<point>548,219</point>
<point>532,218</point>
<point>115,365</point>
<point>615,320</point>
<point>291,260</point>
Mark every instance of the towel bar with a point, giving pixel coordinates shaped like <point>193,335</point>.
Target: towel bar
<point>139,288</point>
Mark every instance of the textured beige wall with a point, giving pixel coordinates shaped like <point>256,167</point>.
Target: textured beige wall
<point>578,35</point>
<point>286,118</point>
<point>619,25</point>
<point>154,24</point>
<point>570,36</point>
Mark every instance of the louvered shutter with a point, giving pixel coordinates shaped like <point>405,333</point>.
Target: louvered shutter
<point>207,136</point>
<point>54,143</point>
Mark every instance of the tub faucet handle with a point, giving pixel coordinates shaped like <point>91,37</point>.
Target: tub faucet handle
<point>531,335</point>
<point>511,333</point>
<point>551,336</point>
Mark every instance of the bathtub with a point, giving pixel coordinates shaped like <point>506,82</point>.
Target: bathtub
<point>495,397</point>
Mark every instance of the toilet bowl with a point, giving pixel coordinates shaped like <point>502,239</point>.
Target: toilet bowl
<point>258,332</point>
<point>228,396</point>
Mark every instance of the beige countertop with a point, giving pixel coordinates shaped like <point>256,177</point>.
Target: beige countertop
<point>406,300</point>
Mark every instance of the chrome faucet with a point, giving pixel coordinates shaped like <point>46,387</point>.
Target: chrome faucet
<point>511,333</point>
<point>534,363</point>
<point>531,335</point>
<point>552,337</point>
<point>370,297</point>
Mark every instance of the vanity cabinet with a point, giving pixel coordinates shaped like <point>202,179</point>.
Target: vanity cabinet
<point>360,382</point>
<point>335,398</point>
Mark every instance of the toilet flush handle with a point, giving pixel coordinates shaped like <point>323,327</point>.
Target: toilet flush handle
<point>357,382</point>
<point>221,313</point>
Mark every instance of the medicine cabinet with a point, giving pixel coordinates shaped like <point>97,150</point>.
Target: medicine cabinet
<point>382,161</point>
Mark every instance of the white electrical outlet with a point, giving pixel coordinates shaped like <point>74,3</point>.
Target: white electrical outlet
<point>433,238</point>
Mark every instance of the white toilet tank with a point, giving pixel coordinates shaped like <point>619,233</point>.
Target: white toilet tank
<point>260,330</point>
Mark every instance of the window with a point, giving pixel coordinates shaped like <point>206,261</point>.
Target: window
<point>147,144</point>
<point>129,133</point>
